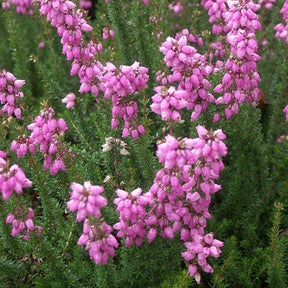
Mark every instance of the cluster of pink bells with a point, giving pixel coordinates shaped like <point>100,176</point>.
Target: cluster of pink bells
<point>12,178</point>
<point>180,196</point>
<point>177,201</point>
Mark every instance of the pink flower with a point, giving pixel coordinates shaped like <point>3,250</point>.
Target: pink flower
<point>177,8</point>
<point>22,7</point>
<point>240,25</point>
<point>132,216</point>
<point>10,94</point>
<point>285,110</point>
<point>45,134</point>
<point>98,241</point>
<point>12,179</point>
<point>22,223</point>
<point>86,199</point>
<point>86,4</point>
<point>69,100</point>
<point>181,194</point>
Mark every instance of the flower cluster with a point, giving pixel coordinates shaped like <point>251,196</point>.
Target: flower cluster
<point>285,110</point>
<point>168,102</point>
<point>190,71</point>
<point>267,4</point>
<point>281,30</point>
<point>46,133</point>
<point>131,207</point>
<point>85,4</point>
<point>99,240</point>
<point>70,24</point>
<point>87,201</point>
<point>119,84</point>
<point>181,194</point>
<point>179,198</point>
<point>11,178</point>
<point>203,246</point>
<point>177,7</point>
<point>69,100</point>
<point>10,93</point>
<point>115,83</point>
<point>216,11</point>
<point>22,223</point>
<point>22,145</point>
<point>107,32</point>
<point>240,81</point>
<point>22,6</point>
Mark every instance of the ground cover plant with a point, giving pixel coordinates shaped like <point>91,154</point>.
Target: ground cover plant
<point>143,143</point>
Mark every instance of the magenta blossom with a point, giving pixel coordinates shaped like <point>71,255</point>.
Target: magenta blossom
<point>12,179</point>
<point>10,94</point>
<point>98,241</point>
<point>69,100</point>
<point>86,199</point>
<point>23,223</point>
<point>131,207</point>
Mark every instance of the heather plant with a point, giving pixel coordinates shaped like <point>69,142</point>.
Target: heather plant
<point>145,144</point>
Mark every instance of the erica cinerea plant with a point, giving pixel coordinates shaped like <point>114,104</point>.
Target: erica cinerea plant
<point>203,79</point>
<point>13,179</point>
<point>46,133</point>
<point>10,93</point>
<point>116,84</point>
<point>180,195</point>
<point>120,85</point>
<point>191,70</point>
<point>281,30</point>
<point>178,200</point>
<point>240,81</point>
<point>23,6</point>
<point>96,235</point>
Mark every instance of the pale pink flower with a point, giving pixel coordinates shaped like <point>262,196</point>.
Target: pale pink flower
<point>69,100</point>
<point>12,179</point>
<point>131,207</point>
<point>23,223</point>
<point>98,241</point>
<point>86,199</point>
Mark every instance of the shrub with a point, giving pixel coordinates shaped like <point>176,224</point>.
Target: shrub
<point>119,123</point>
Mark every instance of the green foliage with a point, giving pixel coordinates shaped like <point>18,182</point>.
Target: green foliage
<point>255,176</point>
<point>277,267</point>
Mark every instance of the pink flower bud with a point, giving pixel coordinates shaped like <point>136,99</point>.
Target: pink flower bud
<point>10,77</point>
<point>151,235</point>
<point>134,134</point>
<point>19,83</point>
<point>112,33</point>
<point>9,218</point>
<point>105,34</point>
<point>30,225</point>
<point>17,113</point>
<point>125,133</point>
<point>62,124</point>
<point>94,90</point>
<point>169,232</point>
<point>122,194</point>
<point>86,27</point>
<point>192,270</point>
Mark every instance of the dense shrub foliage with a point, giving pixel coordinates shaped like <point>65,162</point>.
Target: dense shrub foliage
<point>143,143</point>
